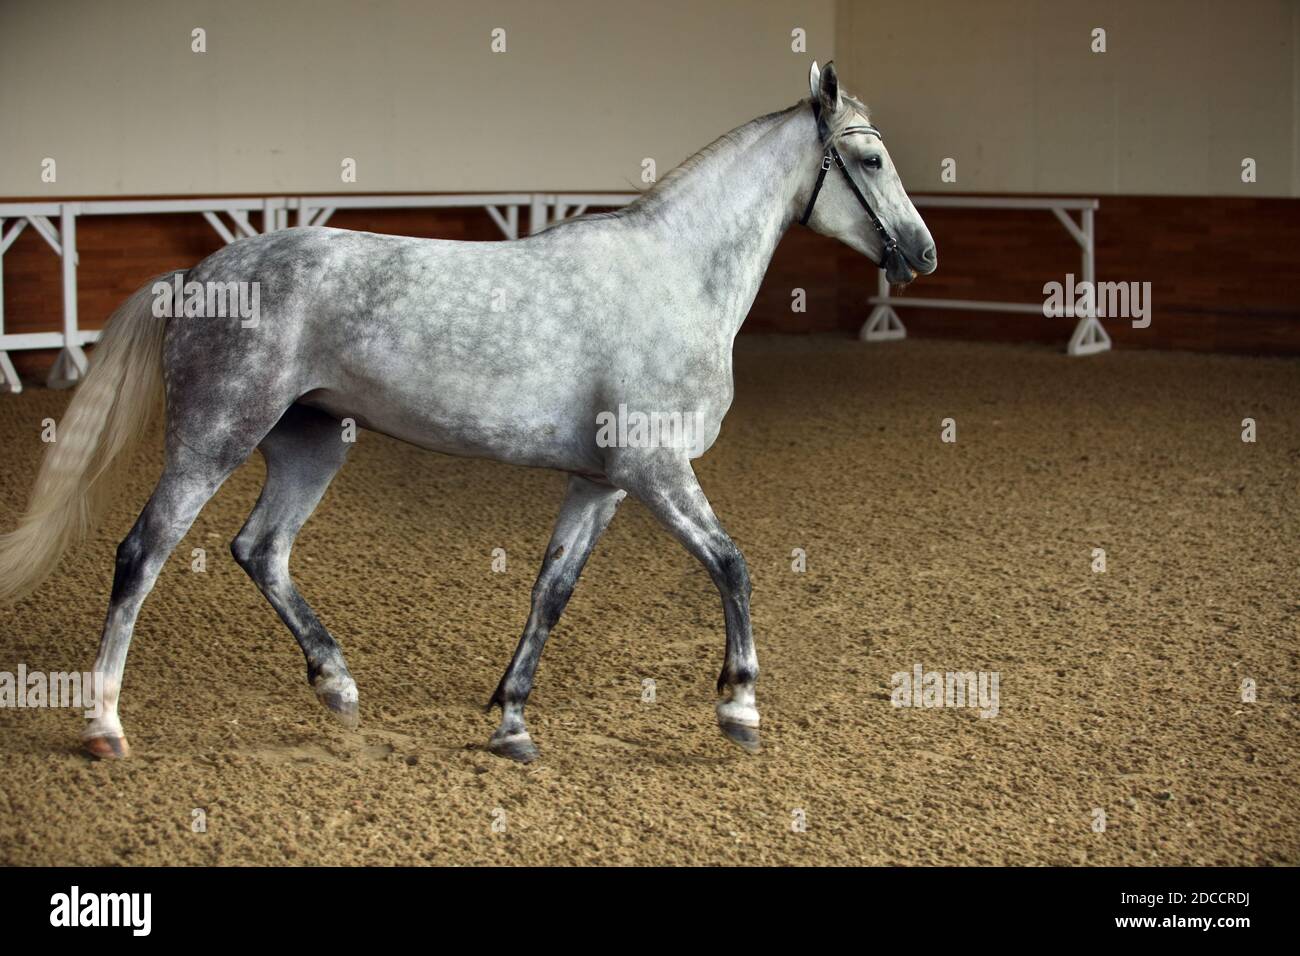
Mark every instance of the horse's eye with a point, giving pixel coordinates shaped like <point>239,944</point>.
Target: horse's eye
<point>872,162</point>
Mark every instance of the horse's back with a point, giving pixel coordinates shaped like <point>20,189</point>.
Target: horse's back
<point>482,348</point>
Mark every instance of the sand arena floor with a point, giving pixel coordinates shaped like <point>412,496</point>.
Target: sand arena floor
<point>1118,692</point>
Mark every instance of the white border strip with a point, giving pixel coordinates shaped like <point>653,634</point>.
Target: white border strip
<point>503,208</point>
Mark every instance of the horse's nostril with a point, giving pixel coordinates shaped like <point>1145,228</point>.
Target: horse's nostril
<point>929,255</point>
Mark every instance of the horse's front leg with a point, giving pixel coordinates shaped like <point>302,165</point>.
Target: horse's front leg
<point>587,510</point>
<point>665,483</point>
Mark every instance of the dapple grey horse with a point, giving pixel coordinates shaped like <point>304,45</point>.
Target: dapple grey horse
<point>502,350</point>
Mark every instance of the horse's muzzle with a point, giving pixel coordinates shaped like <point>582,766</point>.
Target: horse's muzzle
<point>900,268</point>
<point>897,271</point>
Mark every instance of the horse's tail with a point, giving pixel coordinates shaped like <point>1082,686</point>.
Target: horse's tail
<point>106,419</point>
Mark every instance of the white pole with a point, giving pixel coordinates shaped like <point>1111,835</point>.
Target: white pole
<point>68,241</point>
<point>537,213</point>
<point>2,278</point>
<point>8,376</point>
<point>1090,336</point>
<point>71,364</point>
<point>1089,248</point>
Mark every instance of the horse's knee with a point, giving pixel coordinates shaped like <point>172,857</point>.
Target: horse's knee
<point>254,555</point>
<point>241,549</point>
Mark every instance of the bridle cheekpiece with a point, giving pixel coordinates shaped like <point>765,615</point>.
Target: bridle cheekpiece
<point>889,245</point>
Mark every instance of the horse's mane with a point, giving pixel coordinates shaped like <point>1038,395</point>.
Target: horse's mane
<point>664,185</point>
<point>699,156</point>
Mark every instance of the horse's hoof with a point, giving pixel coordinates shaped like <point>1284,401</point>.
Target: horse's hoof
<point>343,707</point>
<point>106,747</point>
<point>518,747</point>
<point>742,735</point>
<point>738,720</point>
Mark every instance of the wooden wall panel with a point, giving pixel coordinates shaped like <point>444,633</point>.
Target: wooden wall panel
<point>1224,274</point>
<point>1223,271</point>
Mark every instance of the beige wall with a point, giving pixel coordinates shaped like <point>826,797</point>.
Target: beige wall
<point>586,89</point>
<point>1011,90</point>
<point>287,89</point>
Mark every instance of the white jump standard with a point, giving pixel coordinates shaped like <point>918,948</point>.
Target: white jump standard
<point>1088,338</point>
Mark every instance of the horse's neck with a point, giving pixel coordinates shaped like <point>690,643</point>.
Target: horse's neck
<point>725,214</point>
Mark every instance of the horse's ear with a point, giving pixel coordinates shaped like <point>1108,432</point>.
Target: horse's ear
<point>815,80</point>
<point>827,89</point>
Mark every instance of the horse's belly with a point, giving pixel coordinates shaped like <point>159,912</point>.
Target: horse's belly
<point>508,431</point>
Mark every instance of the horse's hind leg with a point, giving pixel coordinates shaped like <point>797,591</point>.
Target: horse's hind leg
<point>587,510</point>
<point>188,481</point>
<point>303,453</point>
<point>666,484</point>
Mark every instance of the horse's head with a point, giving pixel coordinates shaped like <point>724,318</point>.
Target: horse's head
<point>858,197</point>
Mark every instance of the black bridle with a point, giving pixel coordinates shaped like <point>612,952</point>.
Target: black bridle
<point>889,245</point>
